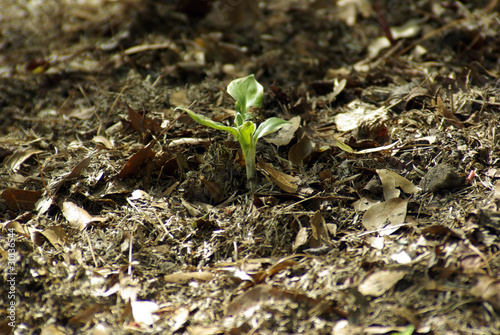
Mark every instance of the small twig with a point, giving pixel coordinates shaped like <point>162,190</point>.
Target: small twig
<point>90,247</point>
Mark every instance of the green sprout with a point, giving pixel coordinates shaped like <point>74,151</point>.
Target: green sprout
<point>248,93</point>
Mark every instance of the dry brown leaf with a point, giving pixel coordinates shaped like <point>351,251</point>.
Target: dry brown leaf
<point>390,180</point>
<point>78,169</point>
<point>85,315</point>
<point>380,282</point>
<point>391,212</point>
<point>52,330</point>
<point>56,235</point>
<point>449,117</point>
<point>301,238</point>
<point>285,182</point>
<point>15,160</point>
<point>216,190</point>
<point>201,330</point>
<point>488,289</point>
<point>137,160</point>
<point>106,142</point>
<point>141,123</point>
<point>180,316</point>
<point>17,199</point>
<point>300,150</point>
<point>184,277</point>
<point>319,234</point>
<point>77,217</point>
<point>284,135</point>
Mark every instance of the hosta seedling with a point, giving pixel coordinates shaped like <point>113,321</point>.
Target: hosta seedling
<point>248,93</point>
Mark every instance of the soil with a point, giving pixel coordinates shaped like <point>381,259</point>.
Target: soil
<point>377,213</point>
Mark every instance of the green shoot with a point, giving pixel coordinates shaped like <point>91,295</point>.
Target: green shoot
<point>248,93</point>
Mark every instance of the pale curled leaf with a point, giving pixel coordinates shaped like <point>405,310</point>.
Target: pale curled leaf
<point>143,312</point>
<point>247,92</point>
<point>391,180</point>
<point>285,182</point>
<point>380,282</point>
<point>392,212</point>
<point>77,217</point>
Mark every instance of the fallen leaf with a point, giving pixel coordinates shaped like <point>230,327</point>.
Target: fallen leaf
<point>143,312</point>
<point>184,277</point>
<point>140,123</point>
<point>488,289</point>
<point>301,238</point>
<point>85,315</point>
<point>319,234</point>
<point>15,160</point>
<point>449,117</point>
<point>78,169</point>
<point>300,150</point>
<point>56,235</point>
<point>390,180</point>
<point>216,190</point>
<point>77,217</point>
<point>285,182</point>
<point>17,199</point>
<point>391,212</point>
<point>180,316</point>
<point>137,160</point>
<point>380,282</point>
<point>103,141</point>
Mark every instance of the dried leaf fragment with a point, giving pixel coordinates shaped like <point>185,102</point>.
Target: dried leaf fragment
<point>15,160</point>
<point>285,182</point>
<point>488,289</point>
<point>380,282</point>
<point>391,212</point>
<point>77,217</point>
<point>188,276</point>
<point>17,199</point>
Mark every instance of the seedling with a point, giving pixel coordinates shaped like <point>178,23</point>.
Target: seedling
<point>248,93</point>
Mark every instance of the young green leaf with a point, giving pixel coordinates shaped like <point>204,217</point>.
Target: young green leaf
<point>269,126</point>
<point>209,122</point>
<point>247,92</point>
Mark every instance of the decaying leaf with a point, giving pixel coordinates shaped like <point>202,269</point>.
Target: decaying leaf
<point>488,289</point>
<point>449,117</point>
<point>300,150</point>
<point>15,160</point>
<point>341,145</point>
<point>319,233</point>
<point>391,212</point>
<point>17,199</point>
<point>85,315</point>
<point>184,277</point>
<point>56,235</point>
<point>390,180</point>
<point>380,282</point>
<point>143,312</point>
<point>78,169</point>
<point>142,123</point>
<point>301,238</point>
<point>136,161</point>
<point>77,217</point>
<point>285,182</point>
<point>216,190</point>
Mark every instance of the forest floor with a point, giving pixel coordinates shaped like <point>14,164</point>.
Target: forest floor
<point>375,212</point>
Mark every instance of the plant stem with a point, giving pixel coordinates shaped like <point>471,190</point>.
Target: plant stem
<point>250,165</point>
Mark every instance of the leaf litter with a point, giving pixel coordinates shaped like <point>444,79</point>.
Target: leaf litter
<point>375,211</point>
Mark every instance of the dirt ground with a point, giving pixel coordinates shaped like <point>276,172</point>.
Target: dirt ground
<point>376,211</point>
